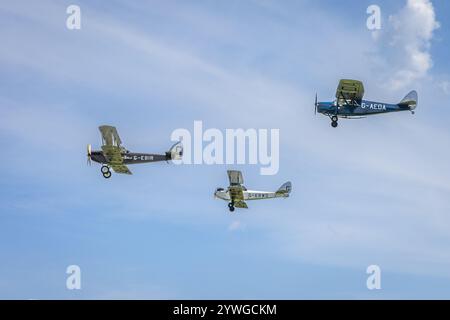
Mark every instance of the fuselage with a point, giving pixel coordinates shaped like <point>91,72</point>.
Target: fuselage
<point>358,109</point>
<point>224,194</point>
<point>130,157</point>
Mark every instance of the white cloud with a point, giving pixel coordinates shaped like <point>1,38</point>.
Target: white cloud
<point>412,32</point>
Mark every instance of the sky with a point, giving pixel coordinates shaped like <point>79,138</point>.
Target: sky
<point>371,192</point>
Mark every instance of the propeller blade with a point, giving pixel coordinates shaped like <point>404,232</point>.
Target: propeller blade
<point>315,105</point>
<point>89,154</point>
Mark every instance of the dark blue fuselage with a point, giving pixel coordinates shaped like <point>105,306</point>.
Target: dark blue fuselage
<point>358,108</point>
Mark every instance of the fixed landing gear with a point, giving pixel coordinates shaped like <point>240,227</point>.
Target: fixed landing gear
<point>231,206</point>
<point>334,121</point>
<point>106,172</point>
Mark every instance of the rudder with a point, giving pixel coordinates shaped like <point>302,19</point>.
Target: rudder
<point>175,152</point>
<point>410,100</point>
<point>284,190</point>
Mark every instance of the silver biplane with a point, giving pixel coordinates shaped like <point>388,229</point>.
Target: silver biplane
<point>237,195</point>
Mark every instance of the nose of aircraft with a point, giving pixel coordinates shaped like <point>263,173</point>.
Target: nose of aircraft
<point>323,106</point>
<point>217,190</point>
<point>319,107</point>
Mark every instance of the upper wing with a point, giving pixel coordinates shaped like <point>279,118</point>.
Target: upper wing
<point>110,136</point>
<point>121,168</point>
<point>235,177</point>
<point>350,90</point>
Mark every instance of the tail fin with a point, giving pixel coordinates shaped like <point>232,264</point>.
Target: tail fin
<point>284,190</point>
<point>175,152</point>
<point>410,100</point>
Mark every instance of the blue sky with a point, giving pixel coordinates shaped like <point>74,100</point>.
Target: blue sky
<point>373,191</point>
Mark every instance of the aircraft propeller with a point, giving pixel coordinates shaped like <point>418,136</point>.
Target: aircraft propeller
<point>89,154</point>
<point>315,105</point>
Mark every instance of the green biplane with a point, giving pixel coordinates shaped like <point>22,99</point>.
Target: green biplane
<point>114,155</point>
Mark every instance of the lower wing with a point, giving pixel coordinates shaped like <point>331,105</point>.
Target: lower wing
<point>240,204</point>
<point>352,117</point>
<point>121,168</point>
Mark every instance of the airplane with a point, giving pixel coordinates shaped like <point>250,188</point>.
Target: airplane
<point>349,103</point>
<point>237,194</point>
<point>114,155</point>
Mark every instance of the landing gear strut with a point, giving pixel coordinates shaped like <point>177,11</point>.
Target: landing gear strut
<point>231,206</point>
<point>106,172</point>
<point>334,121</point>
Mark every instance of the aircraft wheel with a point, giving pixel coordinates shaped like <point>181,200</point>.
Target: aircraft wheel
<point>231,209</point>
<point>334,124</point>
<point>334,119</point>
<point>104,169</point>
<point>231,206</point>
<point>107,175</point>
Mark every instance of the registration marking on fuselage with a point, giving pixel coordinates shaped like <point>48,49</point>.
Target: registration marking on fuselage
<point>373,106</point>
<point>136,158</point>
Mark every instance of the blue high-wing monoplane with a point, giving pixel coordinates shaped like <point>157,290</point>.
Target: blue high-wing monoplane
<point>349,103</point>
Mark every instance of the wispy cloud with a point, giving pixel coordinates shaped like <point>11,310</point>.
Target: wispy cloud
<point>410,35</point>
